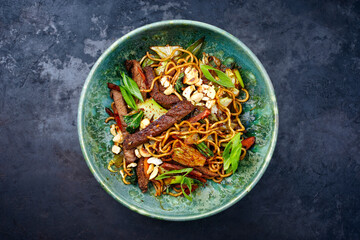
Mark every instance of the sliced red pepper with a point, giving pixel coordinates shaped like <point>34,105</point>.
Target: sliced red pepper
<point>118,122</point>
<point>176,136</point>
<point>113,86</point>
<point>114,115</point>
<point>117,119</point>
<point>200,116</point>
<point>248,142</point>
<point>108,111</point>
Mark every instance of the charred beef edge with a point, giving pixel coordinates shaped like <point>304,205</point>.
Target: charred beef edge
<point>143,181</point>
<point>175,114</point>
<point>166,101</point>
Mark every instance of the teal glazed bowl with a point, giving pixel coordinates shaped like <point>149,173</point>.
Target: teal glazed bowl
<point>260,117</point>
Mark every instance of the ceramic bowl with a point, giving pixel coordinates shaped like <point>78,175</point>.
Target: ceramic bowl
<point>260,117</point>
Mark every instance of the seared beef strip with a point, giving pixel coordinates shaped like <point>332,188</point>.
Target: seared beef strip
<point>175,166</point>
<point>167,101</point>
<point>175,114</point>
<point>143,181</point>
<point>119,102</point>
<point>121,109</point>
<point>137,74</point>
<point>206,171</point>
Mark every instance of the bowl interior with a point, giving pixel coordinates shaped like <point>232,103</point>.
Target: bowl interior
<point>259,117</point>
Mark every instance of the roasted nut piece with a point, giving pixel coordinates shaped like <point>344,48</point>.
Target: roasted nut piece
<point>187,92</point>
<point>191,76</point>
<point>118,138</point>
<point>137,153</point>
<point>131,165</point>
<point>144,123</point>
<point>150,169</point>
<point>154,173</point>
<point>115,149</point>
<point>154,160</point>
<point>169,90</point>
<point>196,97</point>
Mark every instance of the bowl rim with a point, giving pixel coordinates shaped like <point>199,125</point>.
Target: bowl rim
<point>268,154</point>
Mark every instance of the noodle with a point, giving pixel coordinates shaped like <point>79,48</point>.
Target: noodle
<point>215,134</point>
<point>152,85</point>
<point>108,119</point>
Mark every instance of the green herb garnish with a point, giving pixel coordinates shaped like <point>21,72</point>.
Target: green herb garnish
<point>179,180</point>
<point>131,86</point>
<point>133,121</point>
<point>238,76</point>
<point>128,98</point>
<point>196,46</point>
<point>232,153</point>
<point>204,150</point>
<point>170,173</point>
<point>224,80</point>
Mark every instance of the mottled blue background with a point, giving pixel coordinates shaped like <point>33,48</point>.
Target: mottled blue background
<point>311,51</point>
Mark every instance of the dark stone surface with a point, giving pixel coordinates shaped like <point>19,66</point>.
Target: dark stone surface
<point>311,51</point>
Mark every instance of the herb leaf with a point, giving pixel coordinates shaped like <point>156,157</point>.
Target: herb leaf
<point>224,80</point>
<point>133,121</point>
<point>188,182</point>
<point>128,98</point>
<point>168,174</point>
<point>194,48</point>
<point>131,86</point>
<point>180,179</point>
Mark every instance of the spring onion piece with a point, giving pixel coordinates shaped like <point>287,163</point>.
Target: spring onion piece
<point>128,98</point>
<point>133,121</point>
<point>238,76</point>
<point>183,180</point>
<point>232,153</point>
<point>204,150</point>
<point>224,80</point>
<point>179,179</point>
<point>118,160</point>
<point>188,182</point>
<point>131,86</point>
<point>194,48</point>
<point>169,173</point>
